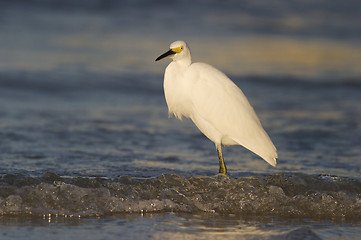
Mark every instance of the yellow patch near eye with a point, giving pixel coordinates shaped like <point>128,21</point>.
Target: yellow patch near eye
<point>177,49</point>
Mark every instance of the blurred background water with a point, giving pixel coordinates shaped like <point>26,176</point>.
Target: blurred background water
<point>81,95</point>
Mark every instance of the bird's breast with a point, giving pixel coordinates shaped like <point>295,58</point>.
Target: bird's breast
<point>177,89</point>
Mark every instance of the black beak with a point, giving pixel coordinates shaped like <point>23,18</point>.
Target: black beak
<point>164,55</point>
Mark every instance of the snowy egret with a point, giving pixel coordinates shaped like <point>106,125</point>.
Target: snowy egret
<point>214,103</point>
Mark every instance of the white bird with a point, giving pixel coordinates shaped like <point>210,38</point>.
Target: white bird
<point>214,103</point>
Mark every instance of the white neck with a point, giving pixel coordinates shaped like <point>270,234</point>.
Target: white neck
<point>184,62</point>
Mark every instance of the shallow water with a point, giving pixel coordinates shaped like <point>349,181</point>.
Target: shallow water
<point>164,226</point>
<point>87,150</point>
<point>175,226</point>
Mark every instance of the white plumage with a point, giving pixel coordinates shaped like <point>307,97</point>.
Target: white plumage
<point>214,103</point>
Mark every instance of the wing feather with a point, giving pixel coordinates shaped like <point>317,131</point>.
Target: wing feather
<point>217,100</point>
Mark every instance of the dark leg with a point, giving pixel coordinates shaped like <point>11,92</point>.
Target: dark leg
<point>222,165</point>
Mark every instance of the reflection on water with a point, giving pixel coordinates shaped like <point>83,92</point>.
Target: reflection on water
<point>258,55</point>
<point>174,226</point>
<point>76,40</point>
<point>262,55</point>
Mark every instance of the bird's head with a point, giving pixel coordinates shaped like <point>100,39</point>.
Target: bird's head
<point>177,50</point>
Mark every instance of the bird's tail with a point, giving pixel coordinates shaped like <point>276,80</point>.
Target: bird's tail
<point>263,148</point>
<point>272,160</point>
<point>270,155</point>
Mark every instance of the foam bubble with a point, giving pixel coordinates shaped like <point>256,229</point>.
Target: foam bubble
<point>281,195</point>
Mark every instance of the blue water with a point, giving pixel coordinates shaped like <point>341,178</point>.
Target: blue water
<point>82,105</point>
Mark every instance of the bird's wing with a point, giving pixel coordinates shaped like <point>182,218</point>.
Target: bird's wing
<point>221,103</point>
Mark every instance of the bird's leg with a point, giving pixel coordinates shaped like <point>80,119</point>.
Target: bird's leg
<point>222,165</point>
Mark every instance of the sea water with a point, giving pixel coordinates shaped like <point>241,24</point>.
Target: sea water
<point>87,149</point>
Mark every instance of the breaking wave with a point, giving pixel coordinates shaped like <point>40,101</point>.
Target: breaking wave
<point>323,197</point>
